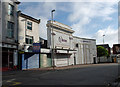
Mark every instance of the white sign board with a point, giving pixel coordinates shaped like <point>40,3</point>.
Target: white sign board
<point>61,40</point>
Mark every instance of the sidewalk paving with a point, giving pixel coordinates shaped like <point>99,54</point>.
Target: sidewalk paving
<point>70,66</point>
<point>62,68</point>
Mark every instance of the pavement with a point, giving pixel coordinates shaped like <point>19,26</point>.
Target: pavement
<point>70,66</point>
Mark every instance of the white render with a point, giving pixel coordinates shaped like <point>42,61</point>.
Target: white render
<point>65,44</point>
<point>23,31</point>
<point>86,50</point>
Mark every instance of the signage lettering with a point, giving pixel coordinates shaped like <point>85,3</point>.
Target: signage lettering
<point>62,40</point>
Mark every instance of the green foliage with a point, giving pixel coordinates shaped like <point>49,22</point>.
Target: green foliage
<point>101,51</point>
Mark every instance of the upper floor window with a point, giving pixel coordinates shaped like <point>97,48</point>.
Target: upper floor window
<point>10,9</point>
<point>29,25</point>
<point>29,39</point>
<point>10,29</point>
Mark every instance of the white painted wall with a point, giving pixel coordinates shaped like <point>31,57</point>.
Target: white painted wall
<point>22,27</point>
<point>86,50</point>
<point>84,53</point>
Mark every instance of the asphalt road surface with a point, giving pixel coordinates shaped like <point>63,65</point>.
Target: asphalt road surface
<point>91,75</point>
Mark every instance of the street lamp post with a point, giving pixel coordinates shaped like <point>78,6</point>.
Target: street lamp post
<point>103,38</point>
<point>53,63</point>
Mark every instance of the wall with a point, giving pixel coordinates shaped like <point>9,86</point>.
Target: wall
<point>5,19</point>
<point>61,39</point>
<point>62,35</point>
<point>86,50</point>
<point>45,60</point>
<point>34,32</point>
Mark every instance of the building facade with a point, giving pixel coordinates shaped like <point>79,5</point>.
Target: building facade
<point>9,32</point>
<point>116,49</point>
<point>28,32</point>
<point>106,46</point>
<point>60,39</point>
<point>68,49</point>
<point>85,50</point>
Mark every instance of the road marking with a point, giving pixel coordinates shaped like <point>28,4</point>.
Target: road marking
<point>16,83</point>
<point>10,80</point>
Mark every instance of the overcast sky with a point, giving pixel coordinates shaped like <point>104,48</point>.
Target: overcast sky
<point>87,19</point>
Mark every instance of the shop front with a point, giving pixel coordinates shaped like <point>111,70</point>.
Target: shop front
<point>9,57</point>
<point>62,57</point>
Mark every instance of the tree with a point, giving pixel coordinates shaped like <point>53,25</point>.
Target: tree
<point>101,51</point>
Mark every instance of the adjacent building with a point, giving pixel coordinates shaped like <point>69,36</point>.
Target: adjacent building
<point>104,59</point>
<point>107,47</point>
<point>9,33</point>
<point>28,32</point>
<point>116,49</point>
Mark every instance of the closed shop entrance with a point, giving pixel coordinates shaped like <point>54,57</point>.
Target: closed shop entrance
<point>7,58</point>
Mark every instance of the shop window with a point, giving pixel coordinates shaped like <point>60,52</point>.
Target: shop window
<point>10,29</point>
<point>29,25</point>
<point>10,10</point>
<point>29,39</point>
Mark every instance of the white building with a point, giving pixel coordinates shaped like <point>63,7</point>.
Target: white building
<point>28,31</point>
<point>69,50</point>
<point>86,50</point>
<point>9,32</point>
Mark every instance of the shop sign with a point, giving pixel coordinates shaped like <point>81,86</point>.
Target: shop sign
<point>61,40</point>
<point>36,47</point>
<point>21,52</point>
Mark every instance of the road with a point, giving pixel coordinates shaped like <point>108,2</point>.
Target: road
<point>101,74</point>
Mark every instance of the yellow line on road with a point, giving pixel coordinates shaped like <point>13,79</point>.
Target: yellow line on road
<point>16,83</point>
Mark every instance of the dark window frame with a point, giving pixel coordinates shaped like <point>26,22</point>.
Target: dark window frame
<point>29,25</point>
<point>29,39</point>
<point>10,10</point>
<point>10,29</point>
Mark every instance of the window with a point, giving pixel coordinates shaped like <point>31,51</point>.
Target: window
<point>10,29</point>
<point>10,9</point>
<point>29,25</point>
<point>29,39</point>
